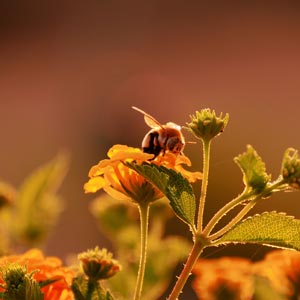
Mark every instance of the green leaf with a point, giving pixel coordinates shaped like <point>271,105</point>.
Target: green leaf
<point>269,228</point>
<point>254,170</point>
<point>174,186</point>
<point>37,204</point>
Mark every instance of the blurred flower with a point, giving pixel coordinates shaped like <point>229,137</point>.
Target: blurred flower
<point>282,269</point>
<point>49,268</point>
<point>98,264</point>
<point>223,279</point>
<point>121,182</point>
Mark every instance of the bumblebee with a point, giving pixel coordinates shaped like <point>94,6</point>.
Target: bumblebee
<point>161,138</point>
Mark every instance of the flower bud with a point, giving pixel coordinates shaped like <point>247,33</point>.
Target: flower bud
<point>98,264</point>
<point>19,284</point>
<point>206,125</point>
<point>290,169</point>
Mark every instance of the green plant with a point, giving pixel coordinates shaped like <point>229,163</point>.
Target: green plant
<point>143,178</point>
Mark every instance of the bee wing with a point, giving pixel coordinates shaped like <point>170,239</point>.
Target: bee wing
<point>149,120</point>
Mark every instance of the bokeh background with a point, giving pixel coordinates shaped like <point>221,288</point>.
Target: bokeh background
<point>71,70</point>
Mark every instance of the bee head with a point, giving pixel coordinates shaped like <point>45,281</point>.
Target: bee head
<point>175,145</point>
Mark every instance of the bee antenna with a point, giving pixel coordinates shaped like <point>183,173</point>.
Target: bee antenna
<point>190,142</point>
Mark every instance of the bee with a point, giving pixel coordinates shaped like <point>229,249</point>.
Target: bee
<point>161,138</point>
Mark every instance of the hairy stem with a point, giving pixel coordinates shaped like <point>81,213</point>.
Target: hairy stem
<point>194,255</point>
<point>265,193</point>
<point>206,157</point>
<point>144,216</point>
<point>223,211</point>
<point>235,220</point>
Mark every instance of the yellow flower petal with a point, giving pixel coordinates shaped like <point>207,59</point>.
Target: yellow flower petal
<point>190,176</point>
<point>122,153</point>
<point>95,171</point>
<point>94,184</point>
<point>182,159</point>
<point>129,156</point>
<point>115,149</point>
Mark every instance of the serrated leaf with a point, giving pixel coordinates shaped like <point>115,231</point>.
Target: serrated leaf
<point>174,186</point>
<point>253,168</point>
<point>269,228</point>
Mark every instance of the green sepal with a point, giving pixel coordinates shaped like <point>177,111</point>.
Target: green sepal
<point>48,281</point>
<point>254,171</point>
<point>174,186</point>
<point>109,296</point>
<point>269,228</point>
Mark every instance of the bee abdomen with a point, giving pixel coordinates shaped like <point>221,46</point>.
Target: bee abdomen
<point>151,144</point>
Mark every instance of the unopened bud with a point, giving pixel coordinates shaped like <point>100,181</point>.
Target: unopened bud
<point>290,169</point>
<point>98,264</point>
<point>206,125</point>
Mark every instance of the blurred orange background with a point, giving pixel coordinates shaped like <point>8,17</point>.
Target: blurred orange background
<point>70,72</point>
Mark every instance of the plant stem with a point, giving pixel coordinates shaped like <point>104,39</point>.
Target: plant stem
<point>265,193</point>
<point>206,157</point>
<point>91,286</point>
<point>144,216</point>
<point>223,211</point>
<point>235,220</point>
<point>194,255</point>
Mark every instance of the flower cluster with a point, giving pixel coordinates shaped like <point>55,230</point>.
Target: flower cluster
<point>118,180</point>
<point>44,269</point>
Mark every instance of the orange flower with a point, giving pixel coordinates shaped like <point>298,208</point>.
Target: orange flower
<point>121,182</point>
<point>224,278</point>
<point>48,268</point>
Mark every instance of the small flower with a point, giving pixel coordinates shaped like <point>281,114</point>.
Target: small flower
<point>290,169</point>
<point>7,194</point>
<point>44,269</point>
<point>206,125</point>
<point>224,278</point>
<point>98,264</point>
<point>121,182</point>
